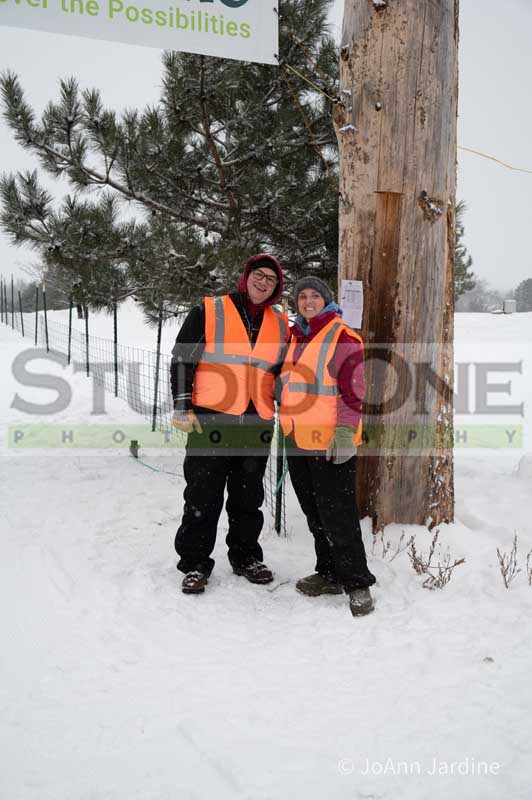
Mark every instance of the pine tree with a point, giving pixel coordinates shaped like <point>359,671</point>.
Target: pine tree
<point>234,159</point>
<point>464,278</point>
<point>523,295</point>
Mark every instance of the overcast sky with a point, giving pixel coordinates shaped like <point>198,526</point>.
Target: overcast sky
<point>494,116</point>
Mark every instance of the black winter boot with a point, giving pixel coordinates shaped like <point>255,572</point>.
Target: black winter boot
<point>360,602</point>
<point>316,585</point>
<point>254,570</point>
<point>194,582</point>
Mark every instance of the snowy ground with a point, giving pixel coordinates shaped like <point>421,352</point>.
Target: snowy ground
<point>115,686</point>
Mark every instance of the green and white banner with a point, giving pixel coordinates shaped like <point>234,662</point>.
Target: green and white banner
<point>246,30</point>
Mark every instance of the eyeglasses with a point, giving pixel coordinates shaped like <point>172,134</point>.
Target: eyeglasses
<point>261,276</point>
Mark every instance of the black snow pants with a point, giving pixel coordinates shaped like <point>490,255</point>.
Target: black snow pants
<point>326,494</point>
<point>231,453</point>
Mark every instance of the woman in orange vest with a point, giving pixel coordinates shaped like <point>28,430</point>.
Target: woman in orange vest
<point>224,364</point>
<point>321,416</point>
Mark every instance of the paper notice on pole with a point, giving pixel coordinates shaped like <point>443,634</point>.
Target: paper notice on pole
<point>352,302</point>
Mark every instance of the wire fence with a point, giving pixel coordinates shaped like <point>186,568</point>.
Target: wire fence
<point>141,378</point>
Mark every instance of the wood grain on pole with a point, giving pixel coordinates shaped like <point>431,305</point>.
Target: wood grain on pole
<point>396,128</point>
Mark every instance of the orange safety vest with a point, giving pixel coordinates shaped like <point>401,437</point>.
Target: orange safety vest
<point>310,395</point>
<point>232,371</point>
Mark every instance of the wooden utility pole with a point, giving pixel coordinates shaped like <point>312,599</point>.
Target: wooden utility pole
<point>396,128</point>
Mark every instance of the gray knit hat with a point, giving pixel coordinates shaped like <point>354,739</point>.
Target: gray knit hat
<point>311,282</point>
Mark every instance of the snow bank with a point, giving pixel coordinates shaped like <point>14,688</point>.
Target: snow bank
<point>524,468</point>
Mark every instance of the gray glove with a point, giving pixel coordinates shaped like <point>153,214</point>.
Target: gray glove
<point>341,447</point>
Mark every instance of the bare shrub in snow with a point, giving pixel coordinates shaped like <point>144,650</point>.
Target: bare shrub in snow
<point>386,545</point>
<point>529,568</point>
<point>439,572</point>
<point>508,564</point>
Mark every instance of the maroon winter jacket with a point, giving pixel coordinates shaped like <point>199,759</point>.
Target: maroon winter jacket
<point>346,365</point>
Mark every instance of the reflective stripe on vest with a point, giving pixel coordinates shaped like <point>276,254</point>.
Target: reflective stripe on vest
<point>229,381</point>
<point>318,387</point>
<point>314,425</point>
<point>221,357</point>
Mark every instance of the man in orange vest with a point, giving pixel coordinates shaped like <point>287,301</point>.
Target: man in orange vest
<point>224,363</point>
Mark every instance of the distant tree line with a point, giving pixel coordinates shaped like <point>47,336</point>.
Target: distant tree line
<point>56,298</point>
<point>523,295</point>
<point>484,298</point>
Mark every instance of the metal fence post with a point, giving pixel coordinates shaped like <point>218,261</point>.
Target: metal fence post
<point>115,340</point>
<point>21,316</point>
<point>157,364</point>
<point>87,363</point>
<point>69,330</point>
<point>279,478</point>
<point>36,313</point>
<point>279,472</point>
<point>45,317</point>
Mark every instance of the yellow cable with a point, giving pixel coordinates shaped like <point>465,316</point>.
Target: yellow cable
<point>497,160</point>
<point>467,149</point>
<point>314,86</point>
